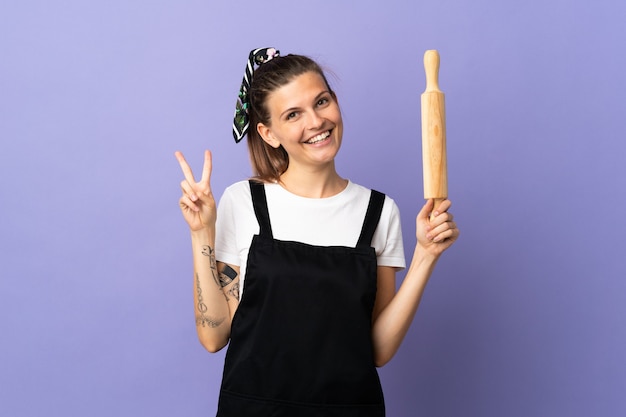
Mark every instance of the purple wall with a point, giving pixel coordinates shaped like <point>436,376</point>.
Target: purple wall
<point>525,316</point>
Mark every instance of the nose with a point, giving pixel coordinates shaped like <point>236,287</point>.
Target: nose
<point>315,120</point>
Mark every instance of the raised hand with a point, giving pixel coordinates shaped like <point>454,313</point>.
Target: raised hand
<point>197,203</point>
<point>439,233</point>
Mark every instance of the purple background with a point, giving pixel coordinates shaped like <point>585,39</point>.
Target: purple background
<point>525,316</point>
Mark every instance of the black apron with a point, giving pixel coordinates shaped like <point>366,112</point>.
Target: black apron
<point>301,337</point>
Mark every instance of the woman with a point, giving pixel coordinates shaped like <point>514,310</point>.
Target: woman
<point>312,255</point>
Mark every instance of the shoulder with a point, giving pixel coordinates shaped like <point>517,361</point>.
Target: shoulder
<point>238,189</point>
<point>390,207</point>
<point>235,214</point>
<point>235,200</point>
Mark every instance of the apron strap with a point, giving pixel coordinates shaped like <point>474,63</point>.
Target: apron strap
<point>372,216</point>
<point>259,201</point>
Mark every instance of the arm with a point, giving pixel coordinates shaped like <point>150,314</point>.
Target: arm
<point>215,284</point>
<point>215,292</point>
<point>393,313</point>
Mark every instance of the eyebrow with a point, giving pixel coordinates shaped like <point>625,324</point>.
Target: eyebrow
<point>317,97</point>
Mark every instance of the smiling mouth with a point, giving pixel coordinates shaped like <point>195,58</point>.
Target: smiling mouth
<point>318,138</point>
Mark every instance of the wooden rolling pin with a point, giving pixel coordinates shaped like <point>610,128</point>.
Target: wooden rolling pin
<point>434,133</point>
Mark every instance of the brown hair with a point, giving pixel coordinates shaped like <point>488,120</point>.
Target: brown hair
<point>269,163</point>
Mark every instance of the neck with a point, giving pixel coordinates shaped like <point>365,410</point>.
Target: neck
<point>313,183</point>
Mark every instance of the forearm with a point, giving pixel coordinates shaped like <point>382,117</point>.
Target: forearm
<point>211,308</point>
<point>392,324</point>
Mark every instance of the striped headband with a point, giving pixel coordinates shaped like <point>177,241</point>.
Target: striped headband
<point>241,121</point>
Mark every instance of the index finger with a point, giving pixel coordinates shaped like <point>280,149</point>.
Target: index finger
<point>208,165</point>
<point>185,167</point>
<point>444,206</point>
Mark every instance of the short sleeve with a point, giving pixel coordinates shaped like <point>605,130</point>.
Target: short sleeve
<point>388,237</point>
<point>226,230</point>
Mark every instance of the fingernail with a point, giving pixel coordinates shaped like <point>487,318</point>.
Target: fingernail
<point>194,197</point>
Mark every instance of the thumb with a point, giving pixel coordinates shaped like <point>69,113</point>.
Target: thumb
<point>426,210</point>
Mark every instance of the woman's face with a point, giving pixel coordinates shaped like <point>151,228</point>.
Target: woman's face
<point>305,119</point>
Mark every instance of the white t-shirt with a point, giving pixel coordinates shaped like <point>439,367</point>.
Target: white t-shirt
<point>332,221</point>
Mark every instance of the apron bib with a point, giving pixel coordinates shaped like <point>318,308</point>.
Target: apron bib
<point>301,337</point>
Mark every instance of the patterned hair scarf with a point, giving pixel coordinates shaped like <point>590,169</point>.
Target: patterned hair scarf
<point>241,122</point>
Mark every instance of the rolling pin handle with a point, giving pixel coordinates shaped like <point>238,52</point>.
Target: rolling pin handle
<point>431,67</point>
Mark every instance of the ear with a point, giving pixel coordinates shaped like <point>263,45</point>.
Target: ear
<point>266,134</point>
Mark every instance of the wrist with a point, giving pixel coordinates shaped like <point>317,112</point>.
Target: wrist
<point>423,255</point>
<point>203,235</point>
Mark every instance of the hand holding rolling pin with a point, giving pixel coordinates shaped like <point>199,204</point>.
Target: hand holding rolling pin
<point>436,230</point>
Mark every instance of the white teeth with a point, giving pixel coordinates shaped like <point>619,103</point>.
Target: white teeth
<point>319,137</point>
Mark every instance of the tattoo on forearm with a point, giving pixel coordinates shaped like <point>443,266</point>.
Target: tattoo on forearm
<point>201,317</point>
<point>222,279</point>
<point>227,275</point>
<point>210,253</point>
<point>234,291</point>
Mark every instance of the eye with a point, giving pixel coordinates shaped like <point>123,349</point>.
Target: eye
<point>292,115</point>
<point>322,101</point>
